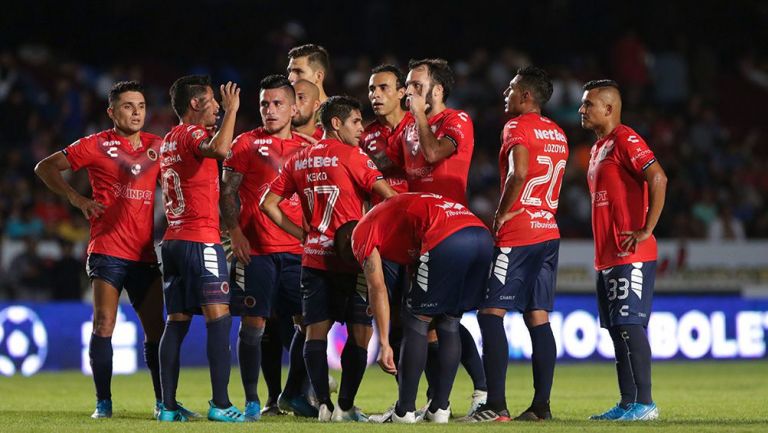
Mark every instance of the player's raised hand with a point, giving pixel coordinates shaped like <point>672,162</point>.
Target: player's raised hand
<point>89,208</point>
<point>387,359</point>
<point>633,238</point>
<point>230,96</point>
<point>417,103</point>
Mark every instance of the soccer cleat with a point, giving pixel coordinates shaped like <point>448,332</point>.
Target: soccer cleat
<point>324,414</point>
<point>539,413</point>
<point>479,398</point>
<point>352,415</point>
<point>299,405</point>
<point>390,416</point>
<point>252,411</point>
<point>229,414</point>
<point>157,409</point>
<point>611,414</point>
<point>103,409</point>
<point>271,409</point>
<point>186,412</point>
<point>486,414</point>
<point>309,391</point>
<point>420,413</point>
<point>171,415</point>
<point>640,412</point>
<point>440,416</point>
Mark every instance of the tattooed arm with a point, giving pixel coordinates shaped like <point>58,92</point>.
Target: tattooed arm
<point>230,213</point>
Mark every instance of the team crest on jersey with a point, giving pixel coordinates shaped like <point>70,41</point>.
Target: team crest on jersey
<point>224,287</point>
<point>371,165</point>
<point>136,169</point>
<point>607,148</point>
<point>197,134</point>
<point>152,154</point>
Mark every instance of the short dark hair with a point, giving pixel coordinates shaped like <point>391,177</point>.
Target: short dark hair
<point>392,69</point>
<point>439,71</point>
<point>187,88</point>
<point>337,106</point>
<point>536,81</point>
<point>316,55</point>
<point>596,84</point>
<point>121,87</point>
<point>277,81</point>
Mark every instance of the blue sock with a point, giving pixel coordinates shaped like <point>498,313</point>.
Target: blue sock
<point>495,359</point>
<point>152,359</point>
<point>249,355</point>
<point>639,352</point>
<point>219,359</point>
<point>450,358</point>
<point>297,371</point>
<point>354,359</point>
<point>100,354</point>
<point>316,360</point>
<point>627,387</point>
<point>272,359</point>
<point>170,344</point>
<point>432,367</point>
<point>543,362</point>
<point>413,359</point>
<point>471,360</point>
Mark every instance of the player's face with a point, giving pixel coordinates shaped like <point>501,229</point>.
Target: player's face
<point>299,69</point>
<point>352,128</point>
<point>129,112</point>
<point>419,82</point>
<point>383,93</point>
<point>306,104</point>
<point>209,108</point>
<point>513,97</point>
<point>277,108</point>
<point>592,110</point>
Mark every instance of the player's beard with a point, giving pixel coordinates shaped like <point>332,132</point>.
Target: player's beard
<point>299,120</point>
<point>428,100</point>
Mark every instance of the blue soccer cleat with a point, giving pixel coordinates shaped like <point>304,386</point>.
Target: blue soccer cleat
<point>103,409</point>
<point>611,414</point>
<point>182,410</point>
<point>171,415</point>
<point>298,404</point>
<point>252,411</point>
<point>640,412</point>
<point>229,414</point>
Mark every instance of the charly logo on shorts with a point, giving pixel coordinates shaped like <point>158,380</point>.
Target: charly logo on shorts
<point>152,154</point>
<point>225,287</point>
<point>249,301</point>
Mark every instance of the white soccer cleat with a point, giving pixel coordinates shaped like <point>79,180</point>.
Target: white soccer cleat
<point>479,398</point>
<point>352,415</point>
<point>390,416</point>
<point>324,414</point>
<point>440,416</point>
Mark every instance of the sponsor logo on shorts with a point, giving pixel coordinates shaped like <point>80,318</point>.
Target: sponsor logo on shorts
<point>225,288</point>
<point>249,301</point>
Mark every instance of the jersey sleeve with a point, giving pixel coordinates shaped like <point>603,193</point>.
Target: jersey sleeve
<point>457,127</point>
<point>238,160</point>
<point>362,169</point>
<point>283,185</point>
<point>513,135</point>
<point>81,153</point>
<point>634,153</point>
<point>194,137</point>
<point>363,244</point>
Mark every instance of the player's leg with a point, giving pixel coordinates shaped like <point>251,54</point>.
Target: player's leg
<point>473,364</point>
<point>447,328</point>
<point>105,300</point>
<point>271,365</point>
<point>316,306</point>
<point>413,360</point>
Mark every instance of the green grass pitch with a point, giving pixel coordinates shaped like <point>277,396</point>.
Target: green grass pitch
<point>703,396</point>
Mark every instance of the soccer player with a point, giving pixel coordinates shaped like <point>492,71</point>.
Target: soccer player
<point>123,171</point>
<point>309,62</point>
<point>628,187</point>
<point>332,179</point>
<point>267,261</point>
<point>194,263</point>
<point>450,251</point>
<point>435,150</point>
<point>307,104</point>
<point>534,151</point>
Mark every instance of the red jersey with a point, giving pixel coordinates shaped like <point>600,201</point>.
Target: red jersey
<point>374,141</point>
<point>332,180</point>
<point>547,154</point>
<point>259,157</point>
<point>619,196</point>
<point>190,186</point>
<point>408,225</point>
<point>124,181</point>
<point>319,132</point>
<point>447,177</point>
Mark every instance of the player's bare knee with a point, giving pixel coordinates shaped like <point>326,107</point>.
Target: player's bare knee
<point>361,334</point>
<point>493,311</point>
<point>103,323</point>
<point>535,318</point>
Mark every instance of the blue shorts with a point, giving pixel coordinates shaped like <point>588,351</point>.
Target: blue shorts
<point>135,277</point>
<point>194,274</point>
<point>625,294</point>
<point>327,295</point>
<point>450,278</point>
<point>395,278</point>
<point>523,278</point>
<point>268,284</point>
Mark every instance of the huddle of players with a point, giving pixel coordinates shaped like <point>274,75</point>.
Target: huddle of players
<point>425,257</point>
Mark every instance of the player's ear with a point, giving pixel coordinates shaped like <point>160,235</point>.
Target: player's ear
<point>336,123</point>
<point>111,112</point>
<point>401,93</point>
<point>320,75</point>
<point>608,110</point>
<point>437,92</point>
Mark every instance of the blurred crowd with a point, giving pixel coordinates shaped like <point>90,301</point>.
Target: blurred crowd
<point>704,120</point>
